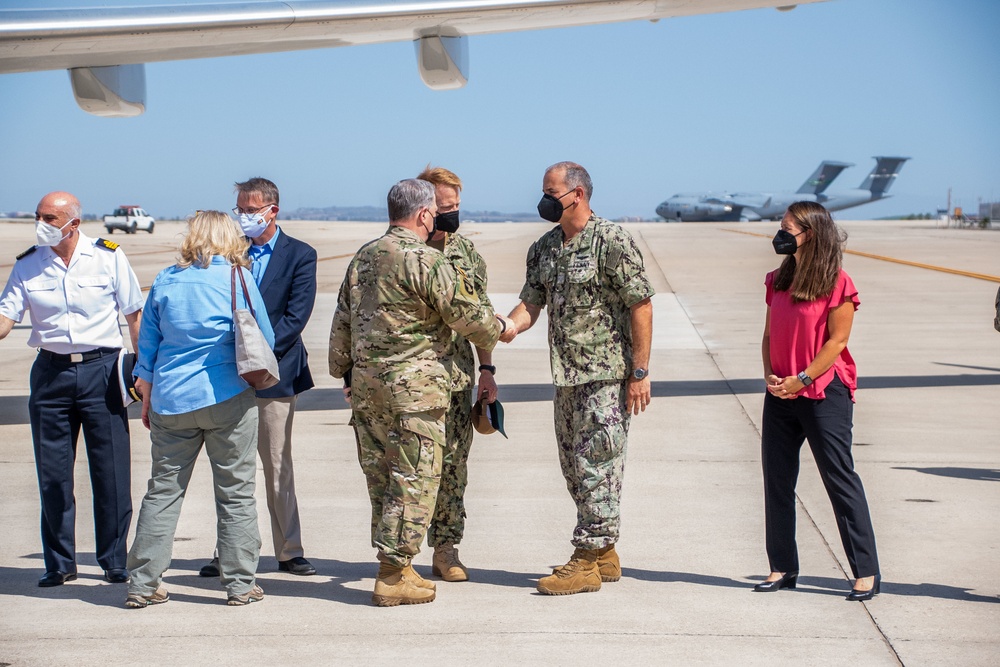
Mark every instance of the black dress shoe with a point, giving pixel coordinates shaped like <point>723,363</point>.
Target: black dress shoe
<point>787,580</point>
<point>861,596</point>
<point>56,578</point>
<point>297,565</point>
<point>211,569</point>
<point>117,575</point>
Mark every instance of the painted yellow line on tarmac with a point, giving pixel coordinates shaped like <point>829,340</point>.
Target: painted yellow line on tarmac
<point>919,265</point>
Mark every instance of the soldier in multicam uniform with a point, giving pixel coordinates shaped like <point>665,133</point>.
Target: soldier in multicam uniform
<point>590,275</point>
<point>396,310</point>
<point>448,524</point>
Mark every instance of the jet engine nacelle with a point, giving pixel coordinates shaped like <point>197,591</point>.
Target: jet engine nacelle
<point>443,61</point>
<point>116,91</point>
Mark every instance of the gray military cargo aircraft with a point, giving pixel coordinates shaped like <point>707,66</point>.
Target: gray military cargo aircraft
<point>104,47</point>
<point>720,207</point>
<point>747,206</point>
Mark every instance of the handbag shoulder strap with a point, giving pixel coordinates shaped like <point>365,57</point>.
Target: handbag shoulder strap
<point>246,293</point>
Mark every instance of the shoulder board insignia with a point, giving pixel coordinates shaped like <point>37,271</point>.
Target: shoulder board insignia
<point>107,245</point>
<point>27,252</point>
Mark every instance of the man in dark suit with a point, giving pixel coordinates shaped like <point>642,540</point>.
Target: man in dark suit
<point>285,271</point>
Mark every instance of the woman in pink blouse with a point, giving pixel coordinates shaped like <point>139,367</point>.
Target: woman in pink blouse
<point>811,378</point>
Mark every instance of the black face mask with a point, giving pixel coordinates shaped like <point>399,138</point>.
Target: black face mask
<point>446,222</point>
<point>784,242</point>
<point>551,208</point>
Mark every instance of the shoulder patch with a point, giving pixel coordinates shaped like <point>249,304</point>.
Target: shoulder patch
<point>614,256</point>
<point>465,286</point>
<point>107,245</point>
<point>27,252</point>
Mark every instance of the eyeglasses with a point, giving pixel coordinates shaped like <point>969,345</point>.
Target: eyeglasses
<point>250,211</point>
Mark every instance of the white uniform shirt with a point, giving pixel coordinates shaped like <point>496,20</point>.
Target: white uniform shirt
<point>74,308</point>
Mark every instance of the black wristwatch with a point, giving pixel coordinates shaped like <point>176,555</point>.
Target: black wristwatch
<point>805,379</point>
<point>487,367</point>
<point>640,373</point>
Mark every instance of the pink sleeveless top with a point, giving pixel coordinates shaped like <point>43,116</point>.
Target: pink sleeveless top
<point>799,330</point>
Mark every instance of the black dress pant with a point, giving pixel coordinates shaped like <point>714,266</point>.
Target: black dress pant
<point>66,397</point>
<point>826,424</point>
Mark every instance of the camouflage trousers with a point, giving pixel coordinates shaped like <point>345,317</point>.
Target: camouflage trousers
<point>401,458</point>
<point>448,524</point>
<point>592,434</point>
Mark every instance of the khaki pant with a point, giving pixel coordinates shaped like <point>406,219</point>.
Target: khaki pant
<point>274,445</point>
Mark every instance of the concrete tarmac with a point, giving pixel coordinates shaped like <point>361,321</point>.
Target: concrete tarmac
<point>927,445</point>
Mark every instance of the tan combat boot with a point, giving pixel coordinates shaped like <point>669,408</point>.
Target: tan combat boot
<point>579,575</point>
<point>410,573</point>
<point>414,576</point>
<point>608,563</point>
<point>393,587</point>
<point>446,564</point>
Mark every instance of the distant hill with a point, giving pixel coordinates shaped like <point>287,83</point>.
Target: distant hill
<point>378,214</point>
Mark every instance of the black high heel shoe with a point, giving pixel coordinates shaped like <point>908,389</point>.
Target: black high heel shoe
<point>787,581</point>
<point>861,596</point>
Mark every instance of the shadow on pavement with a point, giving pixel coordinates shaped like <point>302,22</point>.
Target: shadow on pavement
<point>333,576</point>
<point>982,474</point>
<point>814,585</point>
<point>14,409</point>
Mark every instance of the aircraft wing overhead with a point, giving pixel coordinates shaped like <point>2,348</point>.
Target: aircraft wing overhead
<point>33,39</point>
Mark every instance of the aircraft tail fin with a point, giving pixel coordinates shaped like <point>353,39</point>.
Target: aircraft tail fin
<point>822,177</point>
<point>882,176</point>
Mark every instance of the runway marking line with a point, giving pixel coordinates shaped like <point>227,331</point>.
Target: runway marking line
<point>919,265</point>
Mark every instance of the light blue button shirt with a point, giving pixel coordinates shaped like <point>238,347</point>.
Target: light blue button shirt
<point>260,255</point>
<point>187,348</point>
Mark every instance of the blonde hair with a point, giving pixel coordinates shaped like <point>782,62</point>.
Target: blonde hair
<point>440,176</point>
<point>212,233</point>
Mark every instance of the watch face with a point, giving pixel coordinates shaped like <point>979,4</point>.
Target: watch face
<point>640,373</point>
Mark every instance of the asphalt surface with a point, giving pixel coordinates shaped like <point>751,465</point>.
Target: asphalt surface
<point>926,445</point>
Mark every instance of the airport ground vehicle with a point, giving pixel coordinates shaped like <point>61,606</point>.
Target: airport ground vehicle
<point>129,219</point>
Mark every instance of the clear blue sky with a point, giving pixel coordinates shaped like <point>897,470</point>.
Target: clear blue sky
<point>742,101</point>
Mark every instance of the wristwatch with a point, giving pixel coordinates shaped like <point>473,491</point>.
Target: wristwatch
<point>805,379</point>
<point>487,367</point>
<point>640,373</point>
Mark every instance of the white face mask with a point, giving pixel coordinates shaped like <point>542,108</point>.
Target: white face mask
<point>47,235</point>
<point>254,225</point>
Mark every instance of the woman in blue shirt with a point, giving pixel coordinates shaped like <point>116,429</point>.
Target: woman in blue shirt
<point>193,395</point>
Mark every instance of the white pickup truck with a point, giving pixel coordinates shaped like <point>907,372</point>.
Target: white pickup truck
<point>129,219</point>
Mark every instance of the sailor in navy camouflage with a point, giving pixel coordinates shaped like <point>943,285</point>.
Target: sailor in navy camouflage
<point>589,274</point>
<point>448,524</point>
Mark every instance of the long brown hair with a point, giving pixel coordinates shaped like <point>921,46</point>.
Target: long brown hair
<point>816,272</point>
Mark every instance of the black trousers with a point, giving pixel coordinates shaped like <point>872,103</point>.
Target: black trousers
<point>66,397</point>
<point>827,425</point>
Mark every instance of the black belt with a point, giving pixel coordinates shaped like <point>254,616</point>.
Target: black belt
<point>78,357</point>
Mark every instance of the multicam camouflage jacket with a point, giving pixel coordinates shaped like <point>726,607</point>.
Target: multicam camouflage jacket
<point>589,286</point>
<point>460,360</point>
<point>396,310</point>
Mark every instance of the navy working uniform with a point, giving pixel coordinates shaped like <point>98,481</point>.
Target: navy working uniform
<point>74,324</point>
